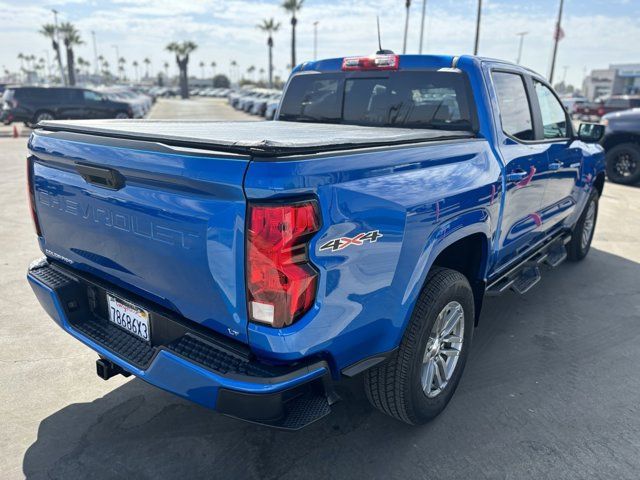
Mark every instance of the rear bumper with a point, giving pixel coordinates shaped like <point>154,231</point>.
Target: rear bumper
<point>206,369</point>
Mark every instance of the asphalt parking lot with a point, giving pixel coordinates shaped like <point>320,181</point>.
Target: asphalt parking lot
<point>551,390</point>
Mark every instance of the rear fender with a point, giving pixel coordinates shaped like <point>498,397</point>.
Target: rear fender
<point>447,233</point>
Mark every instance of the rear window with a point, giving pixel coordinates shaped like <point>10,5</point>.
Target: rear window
<point>429,99</point>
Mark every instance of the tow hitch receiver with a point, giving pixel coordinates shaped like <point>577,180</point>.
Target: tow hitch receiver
<point>106,369</point>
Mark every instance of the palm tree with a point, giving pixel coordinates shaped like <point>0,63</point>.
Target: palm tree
<point>121,70</point>
<point>202,69</point>
<point>213,69</point>
<point>232,71</point>
<point>70,38</point>
<point>261,71</point>
<point>182,51</point>
<point>146,62</point>
<point>270,26</point>
<point>81,63</point>
<point>250,71</point>
<point>292,7</point>
<point>49,31</point>
<point>135,68</point>
<point>166,69</point>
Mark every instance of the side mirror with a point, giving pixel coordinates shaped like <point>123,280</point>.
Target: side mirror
<point>590,132</point>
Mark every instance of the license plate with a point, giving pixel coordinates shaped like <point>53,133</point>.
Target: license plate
<point>129,316</point>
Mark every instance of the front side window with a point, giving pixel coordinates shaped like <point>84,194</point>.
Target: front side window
<point>554,116</point>
<point>515,111</point>
<point>92,96</point>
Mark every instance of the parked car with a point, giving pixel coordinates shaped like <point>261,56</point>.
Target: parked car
<point>271,109</point>
<point>32,105</point>
<point>617,103</point>
<point>573,103</point>
<point>250,266</point>
<point>622,145</point>
<point>259,105</point>
<point>140,104</point>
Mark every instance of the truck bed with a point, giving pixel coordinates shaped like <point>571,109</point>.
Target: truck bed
<point>255,138</point>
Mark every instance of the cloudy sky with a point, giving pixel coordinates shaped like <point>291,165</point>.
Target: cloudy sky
<point>597,32</point>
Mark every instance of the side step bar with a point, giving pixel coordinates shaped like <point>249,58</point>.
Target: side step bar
<point>524,276</point>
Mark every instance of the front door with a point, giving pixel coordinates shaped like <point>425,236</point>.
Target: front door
<point>563,152</point>
<point>525,168</point>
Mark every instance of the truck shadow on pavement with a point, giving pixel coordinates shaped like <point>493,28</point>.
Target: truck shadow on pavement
<point>538,395</point>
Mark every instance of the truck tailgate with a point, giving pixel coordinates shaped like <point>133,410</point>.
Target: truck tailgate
<point>165,223</point>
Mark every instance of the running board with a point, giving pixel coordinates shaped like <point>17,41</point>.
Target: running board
<point>525,275</point>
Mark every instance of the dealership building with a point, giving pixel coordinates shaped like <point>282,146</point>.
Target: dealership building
<point>620,79</point>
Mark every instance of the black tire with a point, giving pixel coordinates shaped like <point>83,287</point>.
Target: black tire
<point>41,116</point>
<point>577,249</point>
<point>395,387</point>
<point>623,163</point>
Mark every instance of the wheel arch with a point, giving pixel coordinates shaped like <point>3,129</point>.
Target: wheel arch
<point>619,138</point>
<point>463,243</point>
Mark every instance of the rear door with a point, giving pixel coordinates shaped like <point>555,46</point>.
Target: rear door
<point>170,230</point>
<point>70,104</point>
<point>564,154</point>
<point>525,164</point>
<point>95,106</point>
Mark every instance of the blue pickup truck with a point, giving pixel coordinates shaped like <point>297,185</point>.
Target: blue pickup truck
<point>250,266</point>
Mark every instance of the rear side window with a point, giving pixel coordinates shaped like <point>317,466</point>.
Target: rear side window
<point>7,96</point>
<point>92,96</point>
<point>554,117</point>
<point>312,98</point>
<point>515,111</point>
<point>427,99</point>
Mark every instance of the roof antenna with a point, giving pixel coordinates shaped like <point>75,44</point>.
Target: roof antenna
<point>381,51</point>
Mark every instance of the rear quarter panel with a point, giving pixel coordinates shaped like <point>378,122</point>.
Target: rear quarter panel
<point>421,198</point>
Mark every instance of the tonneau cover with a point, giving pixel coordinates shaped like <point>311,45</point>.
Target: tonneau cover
<point>258,138</point>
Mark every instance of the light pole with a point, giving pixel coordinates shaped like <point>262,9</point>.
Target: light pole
<point>95,52</point>
<point>315,40</point>
<point>556,36</point>
<point>521,35</point>
<point>55,23</point>
<point>424,9</point>
<point>477,43</point>
<point>406,26</point>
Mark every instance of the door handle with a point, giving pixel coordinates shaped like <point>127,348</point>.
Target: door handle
<point>102,177</point>
<point>516,176</point>
<point>556,165</point>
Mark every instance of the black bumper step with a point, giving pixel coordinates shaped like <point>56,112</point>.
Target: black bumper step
<point>83,300</point>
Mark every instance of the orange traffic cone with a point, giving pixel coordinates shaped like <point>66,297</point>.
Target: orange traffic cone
<point>15,132</point>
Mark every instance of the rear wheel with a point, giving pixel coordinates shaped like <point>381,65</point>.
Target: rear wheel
<point>121,115</point>
<point>582,234</point>
<point>416,384</point>
<point>623,163</point>
<point>42,116</point>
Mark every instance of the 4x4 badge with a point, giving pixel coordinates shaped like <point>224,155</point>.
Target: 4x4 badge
<point>358,240</point>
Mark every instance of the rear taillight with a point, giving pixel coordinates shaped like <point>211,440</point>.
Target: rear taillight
<point>281,282</point>
<point>600,111</point>
<point>374,62</point>
<point>32,197</point>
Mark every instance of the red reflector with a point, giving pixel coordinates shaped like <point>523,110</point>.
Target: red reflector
<point>32,197</point>
<point>281,282</point>
<point>374,62</point>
